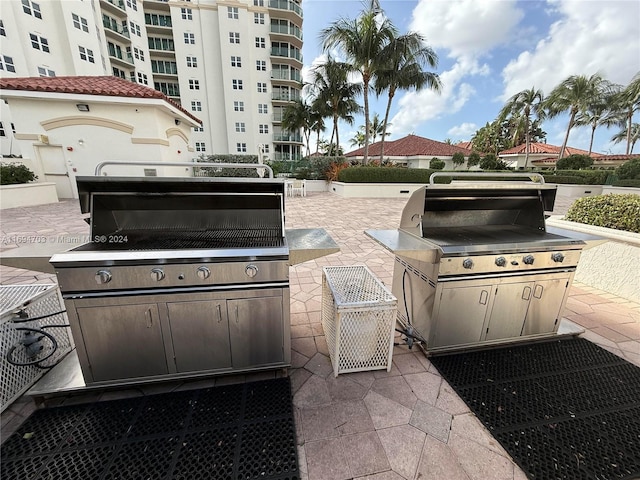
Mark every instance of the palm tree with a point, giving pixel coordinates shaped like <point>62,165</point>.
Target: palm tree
<point>521,106</point>
<point>403,70</point>
<point>603,112</point>
<point>362,40</point>
<point>358,139</point>
<point>630,100</point>
<point>376,129</point>
<point>317,124</point>
<point>334,94</point>
<point>630,136</point>
<point>297,116</point>
<point>574,95</point>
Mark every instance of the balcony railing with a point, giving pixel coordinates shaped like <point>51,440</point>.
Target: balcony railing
<point>287,30</point>
<point>164,70</point>
<point>285,97</point>
<point>286,52</point>
<point>115,27</point>
<point>287,137</point>
<point>286,157</point>
<point>117,3</point>
<point>286,5</point>
<point>286,75</point>
<point>127,58</point>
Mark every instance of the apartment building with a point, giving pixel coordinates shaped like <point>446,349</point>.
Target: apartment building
<point>235,64</point>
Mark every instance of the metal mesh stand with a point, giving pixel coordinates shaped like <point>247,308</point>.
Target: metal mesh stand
<point>35,301</point>
<point>358,317</point>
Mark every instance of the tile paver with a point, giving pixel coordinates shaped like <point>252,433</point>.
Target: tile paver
<point>408,422</point>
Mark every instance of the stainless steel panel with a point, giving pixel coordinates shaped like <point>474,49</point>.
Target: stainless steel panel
<point>509,308</point>
<point>200,335</point>
<point>256,331</point>
<point>406,245</point>
<point>309,243</point>
<point>123,341</point>
<point>547,303</point>
<point>460,315</point>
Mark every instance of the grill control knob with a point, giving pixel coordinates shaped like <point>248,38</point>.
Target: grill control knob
<point>557,257</point>
<point>203,273</point>
<point>467,263</point>
<point>103,276</point>
<point>501,261</point>
<point>251,270</point>
<point>157,274</point>
<point>528,260</point>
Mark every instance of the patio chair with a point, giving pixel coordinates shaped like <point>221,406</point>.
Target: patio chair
<point>298,187</point>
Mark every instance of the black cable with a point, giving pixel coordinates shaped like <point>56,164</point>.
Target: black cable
<point>51,338</point>
<point>31,319</point>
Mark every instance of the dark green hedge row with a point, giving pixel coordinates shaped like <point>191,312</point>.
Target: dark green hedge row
<point>627,183</point>
<point>385,175</point>
<point>618,211</point>
<point>588,177</point>
<point>564,179</point>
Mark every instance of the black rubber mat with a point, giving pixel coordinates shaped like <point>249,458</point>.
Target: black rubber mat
<point>565,409</point>
<point>233,432</point>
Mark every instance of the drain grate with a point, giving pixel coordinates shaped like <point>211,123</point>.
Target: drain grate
<point>565,409</point>
<point>234,432</point>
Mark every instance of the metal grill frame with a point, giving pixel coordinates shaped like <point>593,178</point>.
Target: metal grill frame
<point>36,300</point>
<point>358,318</point>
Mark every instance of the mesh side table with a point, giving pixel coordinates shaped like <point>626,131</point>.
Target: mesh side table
<point>358,319</point>
<point>44,304</point>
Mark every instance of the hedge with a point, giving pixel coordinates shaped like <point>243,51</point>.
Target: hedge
<point>617,211</point>
<point>588,177</point>
<point>627,183</point>
<point>15,174</point>
<point>385,175</point>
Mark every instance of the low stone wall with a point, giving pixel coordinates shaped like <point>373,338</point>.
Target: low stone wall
<point>611,266</point>
<point>27,195</point>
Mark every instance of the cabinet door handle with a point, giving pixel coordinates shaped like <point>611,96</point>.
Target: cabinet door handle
<point>237,318</point>
<point>526,293</point>
<point>537,291</point>
<point>219,313</point>
<point>149,317</point>
<point>483,297</point>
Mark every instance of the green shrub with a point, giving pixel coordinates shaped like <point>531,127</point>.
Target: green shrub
<point>589,177</point>
<point>618,211</point>
<point>384,175</point>
<point>491,162</point>
<point>436,164</point>
<point>564,179</point>
<point>227,172</point>
<point>574,162</point>
<point>627,183</point>
<point>15,173</point>
<point>629,170</point>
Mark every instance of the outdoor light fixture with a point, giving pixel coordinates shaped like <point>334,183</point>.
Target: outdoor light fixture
<point>83,107</point>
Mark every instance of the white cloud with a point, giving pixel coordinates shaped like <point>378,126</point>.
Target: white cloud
<point>465,27</point>
<point>589,37</point>
<point>463,131</point>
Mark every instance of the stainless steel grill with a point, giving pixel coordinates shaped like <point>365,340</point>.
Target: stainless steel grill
<point>475,264</point>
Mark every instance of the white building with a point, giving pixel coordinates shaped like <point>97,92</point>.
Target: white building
<point>235,64</point>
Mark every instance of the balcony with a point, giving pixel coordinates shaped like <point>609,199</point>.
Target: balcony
<point>287,137</point>
<point>288,9</point>
<point>158,23</point>
<point>114,6</point>
<point>285,97</point>
<point>293,76</point>
<point>284,33</point>
<point>115,30</point>
<point>286,53</point>
<point>118,58</point>
<point>286,157</point>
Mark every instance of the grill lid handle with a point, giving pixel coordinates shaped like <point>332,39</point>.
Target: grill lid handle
<point>534,177</point>
<point>187,164</point>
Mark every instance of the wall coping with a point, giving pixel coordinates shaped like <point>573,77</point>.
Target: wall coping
<point>609,233</point>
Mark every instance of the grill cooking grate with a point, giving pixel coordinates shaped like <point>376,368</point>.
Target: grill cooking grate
<point>231,432</point>
<point>563,409</point>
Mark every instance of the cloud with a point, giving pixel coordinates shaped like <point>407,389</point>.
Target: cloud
<point>465,130</point>
<point>589,37</point>
<point>465,27</point>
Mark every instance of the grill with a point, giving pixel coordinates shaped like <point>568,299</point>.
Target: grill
<point>475,264</point>
<point>183,277</point>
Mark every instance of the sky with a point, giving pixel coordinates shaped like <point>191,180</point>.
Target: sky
<point>488,50</point>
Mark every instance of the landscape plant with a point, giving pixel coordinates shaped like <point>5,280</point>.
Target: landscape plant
<point>15,174</point>
<point>617,211</point>
<point>574,162</point>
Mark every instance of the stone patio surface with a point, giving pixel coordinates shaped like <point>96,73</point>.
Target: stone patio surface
<point>404,424</point>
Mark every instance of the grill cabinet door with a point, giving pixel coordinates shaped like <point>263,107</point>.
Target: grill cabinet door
<point>256,331</point>
<point>123,341</point>
<point>510,304</point>
<point>546,305</point>
<point>460,314</point>
<point>200,334</point>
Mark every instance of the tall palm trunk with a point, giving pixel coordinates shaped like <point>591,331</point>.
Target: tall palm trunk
<point>593,134</point>
<point>367,123</point>
<point>527,139</point>
<point>392,92</point>
<point>629,118</point>
<point>566,137</point>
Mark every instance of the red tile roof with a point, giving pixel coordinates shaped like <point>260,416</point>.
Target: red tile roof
<point>545,148</point>
<point>466,145</point>
<point>410,146</point>
<point>109,86</point>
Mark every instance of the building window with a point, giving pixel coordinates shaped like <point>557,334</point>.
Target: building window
<point>241,147</point>
<point>234,37</point>
<point>169,89</point>
<point>192,62</point>
<point>261,65</point>
<point>240,127</point>
<point>39,43</point>
<point>258,18</point>
<point>2,134</point>
<point>236,61</point>
<point>80,22</point>
<point>201,147</point>
<point>118,73</point>
<point>45,72</point>
<point>6,63</point>
<point>237,84</point>
<point>142,78</point>
<point>157,20</point>
<point>263,108</point>
<point>196,106</point>
<point>238,106</point>
<point>232,12</point>
<point>194,84</point>
<point>260,42</point>
<point>265,148</point>
<point>190,38</point>
<point>86,54</point>
<point>198,129</point>
<point>2,32</point>
<point>258,3</point>
<point>262,87</point>
<point>31,8</point>
<point>135,28</point>
<point>133,4</point>
<point>263,128</point>
<point>187,13</point>
<point>139,54</point>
